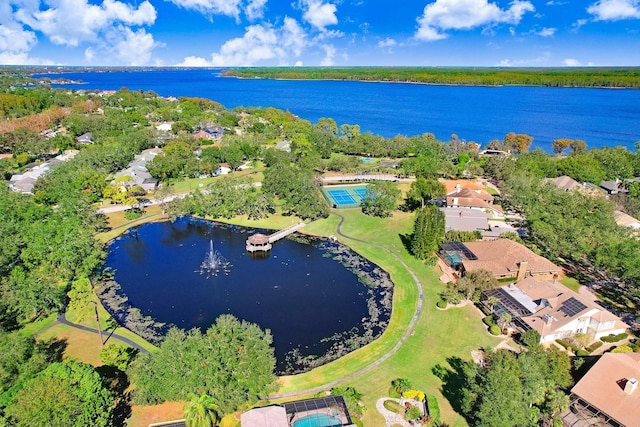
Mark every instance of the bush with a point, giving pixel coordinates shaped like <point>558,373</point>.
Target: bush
<point>567,345</point>
<point>615,338</point>
<point>117,355</point>
<point>593,347</point>
<point>489,320</point>
<point>483,308</point>
<point>582,353</point>
<point>495,330</point>
<point>131,214</point>
<point>622,349</point>
<point>441,304</point>
<point>413,413</point>
<point>433,408</point>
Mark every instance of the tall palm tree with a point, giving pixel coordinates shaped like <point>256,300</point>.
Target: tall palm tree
<point>201,411</point>
<point>505,319</point>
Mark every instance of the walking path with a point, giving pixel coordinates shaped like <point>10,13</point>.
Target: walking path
<point>391,418</point>
<point>385,356</point>
<point>62,320</point>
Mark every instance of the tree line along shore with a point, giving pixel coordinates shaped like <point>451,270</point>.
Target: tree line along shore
<point>601,77</point>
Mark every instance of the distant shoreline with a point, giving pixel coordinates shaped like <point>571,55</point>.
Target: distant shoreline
<point>605,78</point>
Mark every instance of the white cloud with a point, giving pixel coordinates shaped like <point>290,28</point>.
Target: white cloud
<point>22,58</point>
<point>319,14</point>
<point>111,29</point>
<point>546,32</point>
<point>135,47</point>
<point>70,22</point>
<point>293,36</point>
<point>15,39</point>
<point>388,42</point>
<point>259,43</point>
<point>570,62</point>
<point>255,9</point>
<point>298,64</point>
<point>444,15</point>
<point>544,60</point>
<point>194,61</point>
<point>330,53</point>
<point>211,7</point>
<point>613,10</point>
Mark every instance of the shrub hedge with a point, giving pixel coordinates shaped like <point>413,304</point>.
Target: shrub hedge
<point>567,345</point>
<point>615,338</point>
<point>495,330</point>
<point>441,304</point>
<point>593,347</point>
<point>489,320</point>
<point>433,408</point>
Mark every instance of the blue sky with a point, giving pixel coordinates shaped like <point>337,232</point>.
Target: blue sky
<point>525,33</point>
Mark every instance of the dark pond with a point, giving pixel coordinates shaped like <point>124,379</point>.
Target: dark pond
<point>316,308</point>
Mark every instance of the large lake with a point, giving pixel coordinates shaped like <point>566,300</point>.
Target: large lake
<point>601,117</point>
<point>316,309</point>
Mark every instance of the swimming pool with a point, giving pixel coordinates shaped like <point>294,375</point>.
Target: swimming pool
<point>318,420</point>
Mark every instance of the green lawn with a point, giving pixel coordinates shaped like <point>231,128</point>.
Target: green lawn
<point>437,336</point>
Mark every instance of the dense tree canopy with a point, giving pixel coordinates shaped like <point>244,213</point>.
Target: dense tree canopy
<point>67,394</point>
<point>232,362</point>
<point>516,389</point>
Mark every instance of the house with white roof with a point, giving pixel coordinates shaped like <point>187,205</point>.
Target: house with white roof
<point>553,310</point>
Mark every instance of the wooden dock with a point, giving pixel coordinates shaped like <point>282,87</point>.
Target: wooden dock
<point>261,242</point>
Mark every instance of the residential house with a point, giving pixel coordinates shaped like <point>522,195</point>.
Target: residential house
<point>85,138</point>
<point>625,220</point>
<point>615,186</point>
<point>565,183</point>
<point>284,145</point>
<point>137,170</point>
<point>139,176</point>
<point>462,219</point>
<point>494,153</point>
<point>25,181</point>
<point>223,169</point>
<point>608,394</point>
<point>323,411</point>
<point>469,194</point>
<point>210,134</point>
<point>553,310</point>
<point>503,258</point>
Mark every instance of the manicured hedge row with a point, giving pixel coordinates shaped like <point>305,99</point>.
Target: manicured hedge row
<point>489,320</point>
<point>567,345</point>
<point>433,408</point>
<point>615,338</point>
<point>593,347</point>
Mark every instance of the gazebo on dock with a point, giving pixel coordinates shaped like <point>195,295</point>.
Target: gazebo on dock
<point>258,242</point>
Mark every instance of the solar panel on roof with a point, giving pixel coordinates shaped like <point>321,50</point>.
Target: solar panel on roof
<point>572,306</point>
<point>459,247</point>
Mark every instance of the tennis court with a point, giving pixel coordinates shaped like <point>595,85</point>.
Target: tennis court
<point>341,197</point>
<point>360,192</point>
<point>345,196</point>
